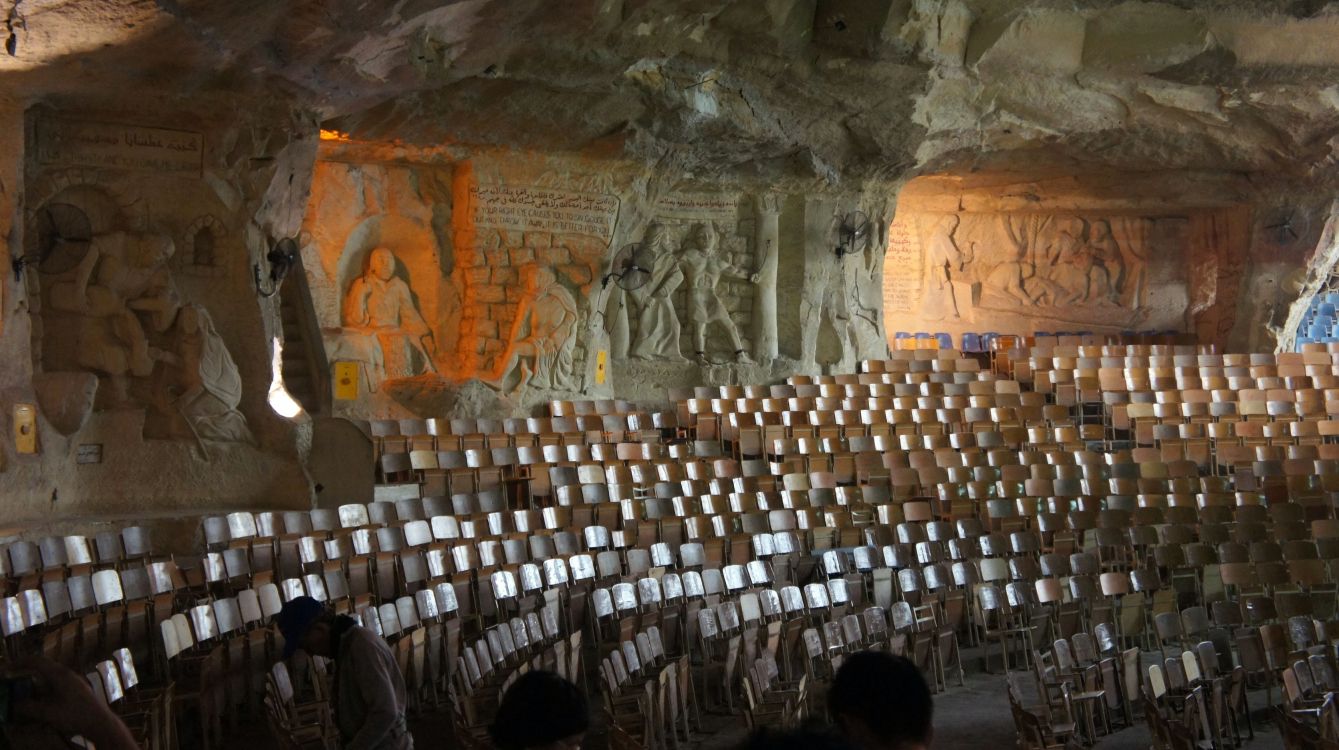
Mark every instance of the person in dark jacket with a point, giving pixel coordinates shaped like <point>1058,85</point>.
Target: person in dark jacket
<point>369,691</point>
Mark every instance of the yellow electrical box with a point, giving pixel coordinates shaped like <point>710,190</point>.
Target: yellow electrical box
<point>601,364</point>
<point>346,381</point>
<point>25,428</point>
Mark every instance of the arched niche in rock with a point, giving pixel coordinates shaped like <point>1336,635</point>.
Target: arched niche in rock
<point>414,248</point>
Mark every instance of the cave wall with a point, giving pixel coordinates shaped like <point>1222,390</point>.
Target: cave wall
<point>139,339</point>
<point>498,299</point>
<point>624,124</point>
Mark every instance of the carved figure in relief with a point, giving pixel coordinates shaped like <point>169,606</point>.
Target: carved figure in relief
<point>657,324</point>
<point>833,291</point>
<point>1070,269</point>
<point>946,263</point>
<point>542,336</point>
<point>382,305</point>
<point>1108,265</point>
<point>702,266</point>
<point>1015,279</point>
<point>121,276</point>
<point>205,387</point>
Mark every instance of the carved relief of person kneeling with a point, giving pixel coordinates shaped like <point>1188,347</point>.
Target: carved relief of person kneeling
<point>200,382</point>
<point>541,338</point>
<point>381,304</point>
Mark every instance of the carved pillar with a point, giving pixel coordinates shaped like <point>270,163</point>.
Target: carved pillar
<point>766,239</point>
<point>11,212</point>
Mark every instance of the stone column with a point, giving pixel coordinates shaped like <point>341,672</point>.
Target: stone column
<point>766,239</point>
<point>11,212</point>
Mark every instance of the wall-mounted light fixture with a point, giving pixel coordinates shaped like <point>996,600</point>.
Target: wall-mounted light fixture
<point>282,257</point>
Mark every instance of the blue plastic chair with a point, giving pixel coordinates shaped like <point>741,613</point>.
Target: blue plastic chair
<point>971,343</point>
<point>945,340</point>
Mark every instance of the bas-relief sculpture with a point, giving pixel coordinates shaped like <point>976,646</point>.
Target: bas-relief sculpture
<point>132,329</point>
<point>703,267</point>
<point>1061,266</point>
<point>658,329</point>
<point>698,267</point>
<point>200,381</point>
<point>542,337</point>
<point>121,278</point>
<point>382,323</point>
<point>838,291</point>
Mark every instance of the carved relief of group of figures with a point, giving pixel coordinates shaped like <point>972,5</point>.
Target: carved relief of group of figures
<point>1036,261</point>
<point>697,267</point>
<point>384,328</point>
<point>150,348</point>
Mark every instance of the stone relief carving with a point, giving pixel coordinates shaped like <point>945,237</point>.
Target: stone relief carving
<point>383,325</point>
<point>702,266</point>
<point>132,329</point>
<point>201,382</point>
<point>945,264</point>
<point>122,278</point>
<point>658,330</point>
<point>1060,263</point>
<point>840,291</point>
<point>542,340</point>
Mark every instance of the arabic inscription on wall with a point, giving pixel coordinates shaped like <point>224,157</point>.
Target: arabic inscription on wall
<point>526,209</point>
<point>71,143</point>
<point>721,208</point>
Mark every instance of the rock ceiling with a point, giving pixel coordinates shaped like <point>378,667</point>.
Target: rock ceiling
<point>833,90</point>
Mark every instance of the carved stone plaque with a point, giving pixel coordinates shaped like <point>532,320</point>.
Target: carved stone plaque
<point>697,207</point>
<point>902,269</point>
<point>72,143</point>
<point>523,208</point>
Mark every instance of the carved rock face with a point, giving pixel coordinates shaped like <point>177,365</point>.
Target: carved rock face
<point>66,398</point>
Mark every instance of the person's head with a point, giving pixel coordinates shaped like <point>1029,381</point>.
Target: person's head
<point>806,738</point>
<point>382,264</point>
<point>306,624</point>
<point>656,237</point>
<point>540,711</point>
<point>881,702</point>
<point>535,277</point>
<point>704,235</point>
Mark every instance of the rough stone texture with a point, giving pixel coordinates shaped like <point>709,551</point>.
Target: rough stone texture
<point>1318,271</point>
<point>1180,272</point>
<point>66,398</point>
<point>1224,112</point>
<point>229,191</point>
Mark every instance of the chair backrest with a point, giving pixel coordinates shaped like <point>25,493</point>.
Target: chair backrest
<point>107,587</point>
